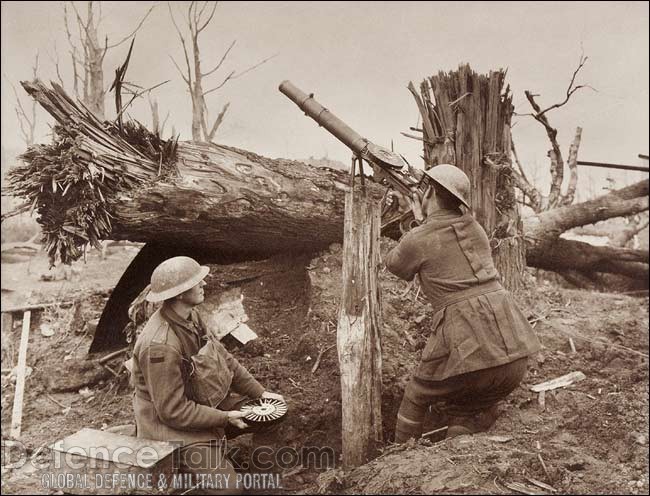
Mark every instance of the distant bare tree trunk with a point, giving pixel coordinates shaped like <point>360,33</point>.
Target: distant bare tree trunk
<point>197,19</point>
<point>27,123</point>
<point>157,127</point>
<point>466,122</point>
<point>92,60</point>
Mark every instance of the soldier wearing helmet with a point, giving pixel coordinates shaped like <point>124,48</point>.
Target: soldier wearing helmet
<point>479,342</point>
<point>165,404</point>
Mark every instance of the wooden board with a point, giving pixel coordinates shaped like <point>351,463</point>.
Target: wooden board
<point>91,461</point>
<point>17,412</point>
<point>559,382</point>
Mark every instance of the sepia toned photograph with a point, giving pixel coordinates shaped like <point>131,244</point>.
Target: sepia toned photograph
<point>325,247</point>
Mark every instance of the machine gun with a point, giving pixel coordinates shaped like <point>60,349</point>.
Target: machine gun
<point>389,168</point>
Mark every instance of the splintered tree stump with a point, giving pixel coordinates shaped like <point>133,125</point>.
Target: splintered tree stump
<point>358,332</point>
<point>466,122</point>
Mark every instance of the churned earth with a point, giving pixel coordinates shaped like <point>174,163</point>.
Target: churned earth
<point>590,437</point>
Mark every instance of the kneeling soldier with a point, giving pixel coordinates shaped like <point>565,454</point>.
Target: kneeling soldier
<point>479,341</point>
<point>172,347</point>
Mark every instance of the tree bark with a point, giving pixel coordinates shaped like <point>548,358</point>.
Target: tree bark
<point>466,122</point>
<point>547,225</point>
<point>95,62</point>
<point>237,203</point>
<point>358,332</point>
<point>568,255</point>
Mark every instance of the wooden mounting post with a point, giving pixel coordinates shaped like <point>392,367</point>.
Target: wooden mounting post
<point>358,332</point>
<point>17,412</point>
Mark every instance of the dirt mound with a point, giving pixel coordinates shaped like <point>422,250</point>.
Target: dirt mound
<point>590,437</point>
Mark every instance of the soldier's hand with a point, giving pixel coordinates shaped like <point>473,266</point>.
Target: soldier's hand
<point>235,418</point>
<point>272,396</point>
<point>416,205</point>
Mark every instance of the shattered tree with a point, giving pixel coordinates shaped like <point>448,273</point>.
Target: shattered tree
<point>466,122</point>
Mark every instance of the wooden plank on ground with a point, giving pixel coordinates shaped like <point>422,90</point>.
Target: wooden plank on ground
<point>36,306</point>
<point>559,382</point>
<point>17,413</point>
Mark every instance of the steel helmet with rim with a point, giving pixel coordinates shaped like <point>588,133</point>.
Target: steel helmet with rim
<point>175,276</point>
<point>452,179</point>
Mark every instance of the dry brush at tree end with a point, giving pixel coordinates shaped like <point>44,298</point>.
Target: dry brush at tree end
<point>74,182</point>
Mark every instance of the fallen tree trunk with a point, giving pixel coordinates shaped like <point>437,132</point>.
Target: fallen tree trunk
<point>222,205</point>
<point>622,202</point>
<point>567,255</point>
<point>96,181</point>
<point>236,203</point>
<point>231,204</point>
<point>546,250</point>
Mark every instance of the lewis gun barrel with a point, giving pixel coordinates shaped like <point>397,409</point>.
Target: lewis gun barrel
<point>388,166</point>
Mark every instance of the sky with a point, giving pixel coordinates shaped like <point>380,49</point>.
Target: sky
<point>358,57</point>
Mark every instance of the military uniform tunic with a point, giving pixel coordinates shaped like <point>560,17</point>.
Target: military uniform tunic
<point>476,324</point>
<point>164,409</point>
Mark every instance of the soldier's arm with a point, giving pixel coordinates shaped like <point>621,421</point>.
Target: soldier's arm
<point>242,380</point>
<point>161,366</point>
<point>404,260</point>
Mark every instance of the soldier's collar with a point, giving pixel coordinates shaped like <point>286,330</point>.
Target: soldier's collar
<point>168,313</point>
<point>443,213</point>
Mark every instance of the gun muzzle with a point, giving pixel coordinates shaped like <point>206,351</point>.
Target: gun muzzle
<point>324,117</point>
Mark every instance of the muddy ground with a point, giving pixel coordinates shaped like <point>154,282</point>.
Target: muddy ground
<point>589,438</point>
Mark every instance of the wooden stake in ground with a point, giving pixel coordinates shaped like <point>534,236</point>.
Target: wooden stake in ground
<point>358,333</point>
<point>17,413</point>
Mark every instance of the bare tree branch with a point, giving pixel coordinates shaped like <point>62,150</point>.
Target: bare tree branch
<point>73,52</point>
<point>180,71</point>
<point>227,78</point>
<point>255,66</point>
<point>555,154</point>
<point>55,61</point>
<point>26,123</point>
<point>108,47</point>
<point>23,131</point>
<point>570,90</point>
<point>136,95</point>
<point>223,58</point>
<point>80,21</point>
<point>516,156</point>
<point>572,163</point>
<point>188,80</point>
<point>555,197</point>
<point>234,75</point>
<point>205,24</point>
<point>205,4</point>
<point>24,207</point>
<point>218,122</point>
<point>101,59</point>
